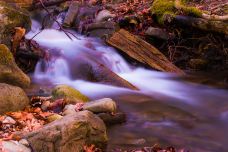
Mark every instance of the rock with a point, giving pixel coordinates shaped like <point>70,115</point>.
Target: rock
<point>198,63</point>
<point>158,33</point>
<point>12,98</point>
<point>9,72</point>
<point>54,117</point>
<point>14,146</point>
<point>45,105</point>
<point>24,142</point>
<point>104,15</point>
<point>69,134</point>
<point>68,93</point>
<point>11,17</point>
<point>69,109</point>
<point>110,119</point>
<point>9,120</point>
<point>71,14</point>
<point>101,29</point>
<point>99,106</point>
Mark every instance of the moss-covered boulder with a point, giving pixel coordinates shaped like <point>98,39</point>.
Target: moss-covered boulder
<point>169,8</point>
<point>9,71</point>
<point>11,17</point>
<point>70,94</point>
<point>12,98</point>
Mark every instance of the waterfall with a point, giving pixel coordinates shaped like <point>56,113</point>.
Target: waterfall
<point>66,54</point>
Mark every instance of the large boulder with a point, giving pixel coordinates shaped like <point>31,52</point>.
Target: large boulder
<point>9,71</point>
<point>69,134</point>
<point>12,98</point>
<point>11,17</point>
<point>68,93</point>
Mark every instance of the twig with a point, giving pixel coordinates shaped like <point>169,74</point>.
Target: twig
<point>60,26</point>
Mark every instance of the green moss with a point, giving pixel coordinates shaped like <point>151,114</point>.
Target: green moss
<point>161,8</point>
<point>6,56</point>
<point>70,94</point>
<point>166,8</point>
<point>191,11</point>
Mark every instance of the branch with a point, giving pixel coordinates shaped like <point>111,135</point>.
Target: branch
<point>60,26</point>
<point>203,15</point>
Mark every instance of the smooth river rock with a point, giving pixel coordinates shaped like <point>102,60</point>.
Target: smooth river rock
<point>69,134</point>
<point>10,73</point>
<point>12,98</point>
<point>101,105</point>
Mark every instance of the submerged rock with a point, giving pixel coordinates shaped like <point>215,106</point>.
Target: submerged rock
<point>12,98</point>
<point>70,94</point>
<point>11,17</point>
<point>71,133</point>
<point>9,71</point>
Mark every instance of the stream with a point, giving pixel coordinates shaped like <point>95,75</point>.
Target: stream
<point>167,110</point>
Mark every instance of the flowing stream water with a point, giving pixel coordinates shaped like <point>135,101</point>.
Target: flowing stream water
<point>166,110</point>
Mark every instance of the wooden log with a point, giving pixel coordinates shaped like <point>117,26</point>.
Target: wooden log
<point>202,24</point>
<point>141,51</point>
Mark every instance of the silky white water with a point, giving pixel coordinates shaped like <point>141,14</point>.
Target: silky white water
<point>66,52</point>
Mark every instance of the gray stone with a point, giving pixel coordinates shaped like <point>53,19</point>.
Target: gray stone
<point>104,15</point>
<point>99,106</point>
<point>158,33</point>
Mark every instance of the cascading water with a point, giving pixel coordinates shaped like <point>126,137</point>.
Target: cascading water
<point>196,102</point>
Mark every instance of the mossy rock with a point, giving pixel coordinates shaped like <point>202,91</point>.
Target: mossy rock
<point>11,17</point>
<point>9,71</point>
<point>70,94</point>
<point>163,8</point>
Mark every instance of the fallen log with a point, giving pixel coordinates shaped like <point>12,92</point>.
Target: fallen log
<point>141,51</point>
<point>202,24</point>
